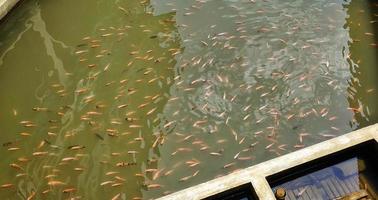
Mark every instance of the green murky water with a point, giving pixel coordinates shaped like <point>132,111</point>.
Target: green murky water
<point>129,99</point>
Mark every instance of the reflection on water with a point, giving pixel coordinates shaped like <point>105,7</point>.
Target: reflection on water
<point>330,183</point>
<point>364,81</point>
<point>88,131</point>
<point>350,173</point>
<point>131,99</point>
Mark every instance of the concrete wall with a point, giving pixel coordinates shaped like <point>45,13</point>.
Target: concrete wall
<point>6,6</point>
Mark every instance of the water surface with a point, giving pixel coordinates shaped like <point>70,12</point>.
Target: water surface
<point>136,99</point>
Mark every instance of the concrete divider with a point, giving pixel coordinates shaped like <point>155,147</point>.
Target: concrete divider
<point>257,174</point>
<point>6,6</point>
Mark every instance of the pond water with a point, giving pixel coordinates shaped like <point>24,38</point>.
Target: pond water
<point>132,99</point>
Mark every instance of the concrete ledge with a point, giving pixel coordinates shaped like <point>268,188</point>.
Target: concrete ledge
<point>6,6</point>
<point>257,174</point>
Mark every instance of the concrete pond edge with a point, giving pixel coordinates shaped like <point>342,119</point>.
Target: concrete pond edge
<point>257,174</point>
<point>6,6</point>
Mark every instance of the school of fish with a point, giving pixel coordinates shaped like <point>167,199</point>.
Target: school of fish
<point>185,91</point>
